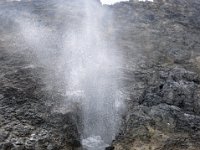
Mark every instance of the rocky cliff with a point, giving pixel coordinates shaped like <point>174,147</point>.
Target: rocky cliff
<point>30,92</point>
<point>161,76</point>
<point>160,41</point>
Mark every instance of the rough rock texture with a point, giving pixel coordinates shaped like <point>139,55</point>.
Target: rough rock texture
<point>161,47</point>
<point>26,117</point>
<point>161,51</point>
<point>29,92</point>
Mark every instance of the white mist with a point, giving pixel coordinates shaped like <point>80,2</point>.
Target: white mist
<point>93,74</point>
<point>91,66</point>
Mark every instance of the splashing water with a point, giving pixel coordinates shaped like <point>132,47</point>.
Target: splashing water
<point>91,64</point>
<point>94,75</point>
<point>94,143</point>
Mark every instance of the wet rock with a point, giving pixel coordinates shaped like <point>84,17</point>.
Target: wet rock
<point>76,143</point>
<point>109,148</point>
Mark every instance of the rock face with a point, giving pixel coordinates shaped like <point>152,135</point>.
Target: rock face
<point>29,118</point>
<point>161,77</point>
<point>26,121</point>
<point>160,41</point>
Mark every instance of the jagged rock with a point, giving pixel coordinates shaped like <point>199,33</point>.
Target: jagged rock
<point>160,45</point>
<point>110,148</point>
<point>3,135</point>
<point>161,112</point>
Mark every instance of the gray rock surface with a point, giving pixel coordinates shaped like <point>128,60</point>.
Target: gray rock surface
<point>160,41</point>
<point>27,122</point>
<point>29,94</point>
<point>161,77</point>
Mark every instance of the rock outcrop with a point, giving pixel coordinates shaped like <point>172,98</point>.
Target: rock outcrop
<point>160,41</point>
<point>160,45</point>
<point>29,92</point>
<point>26,117</point>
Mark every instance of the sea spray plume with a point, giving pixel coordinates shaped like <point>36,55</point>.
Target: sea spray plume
<point>38,38</point>
<point>90,64</point>
<point>93,75</point>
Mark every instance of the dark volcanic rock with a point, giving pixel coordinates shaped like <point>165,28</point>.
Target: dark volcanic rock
<point>160,45</point>
<point>26,121</point>
<point>161,48</point>
<point>30,92</point>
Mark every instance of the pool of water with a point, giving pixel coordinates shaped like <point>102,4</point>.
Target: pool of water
<point>94,143</point>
